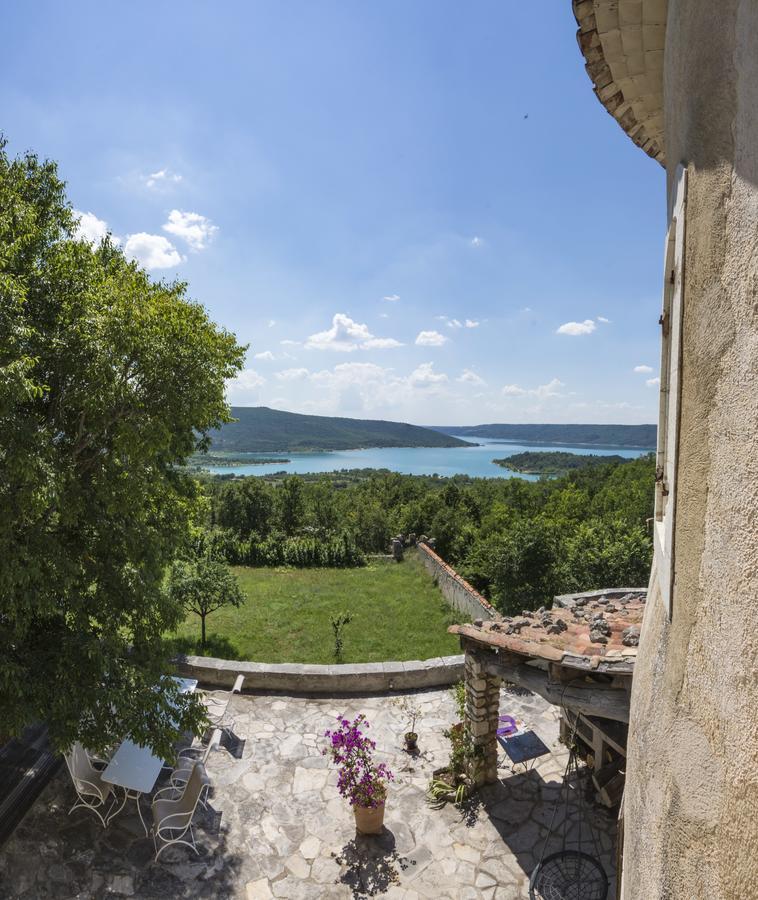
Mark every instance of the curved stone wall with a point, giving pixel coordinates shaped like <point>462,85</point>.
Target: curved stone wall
<point>299,678</point>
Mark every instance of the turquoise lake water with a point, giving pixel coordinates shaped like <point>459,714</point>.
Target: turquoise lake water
<point>473,461</point>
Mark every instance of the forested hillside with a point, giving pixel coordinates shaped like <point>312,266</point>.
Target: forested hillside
<point>270,430</point>
<point>634,436</point>
<point>519,542</point>
<point>554,462</point>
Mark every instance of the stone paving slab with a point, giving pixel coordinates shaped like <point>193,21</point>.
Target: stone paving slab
<point>276,826</point>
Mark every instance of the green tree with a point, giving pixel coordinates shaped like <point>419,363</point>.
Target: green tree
<point>521,566</point>
<point>108,382</point>
<point>290,501</point>
<point>245,506</point>
<point>202,585</point>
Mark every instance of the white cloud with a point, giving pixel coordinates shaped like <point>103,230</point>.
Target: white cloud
<point>391,298</point>
<point>90,228</point>
<point>239,388</point>
<point>191,227</point>
<point>288,343</point>
<point>476,241</point>
<point>291,374</point>
<point>643,370</point>
<point>575,328</point>
<point>162,177</point>
<point>266,354</point>
<point>351,373</point>
<point>380,344</point>
<point>469,377</point>
<point>346,335</point>
<point>431,339</point>
<point>470,323</point>
<point>152,251</point>
<point>384,315</point>
<point>653,382</point>
<point>425,376</point>
<point>542,391</point>
<point>271,323</point>
<point>603,320</point>
<point>551,389</point>
<point>454,323</point>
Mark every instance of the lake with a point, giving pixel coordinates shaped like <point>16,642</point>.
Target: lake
<point>473,461</point>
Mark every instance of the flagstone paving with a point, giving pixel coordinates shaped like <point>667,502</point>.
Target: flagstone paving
<point>276,827</point>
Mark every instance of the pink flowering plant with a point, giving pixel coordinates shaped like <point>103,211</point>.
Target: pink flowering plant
<point>362,781</point>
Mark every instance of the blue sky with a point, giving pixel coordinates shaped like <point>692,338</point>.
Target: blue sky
<point>398,205</point>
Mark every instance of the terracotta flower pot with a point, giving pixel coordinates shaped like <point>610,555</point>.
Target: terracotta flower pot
<point>369,820</point>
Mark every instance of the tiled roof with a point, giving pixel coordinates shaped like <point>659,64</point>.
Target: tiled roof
<point>596,630</point>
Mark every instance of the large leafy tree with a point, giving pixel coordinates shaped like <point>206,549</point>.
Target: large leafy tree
<point>108,381</point>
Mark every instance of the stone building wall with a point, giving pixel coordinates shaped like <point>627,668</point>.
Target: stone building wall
<point>456,590</point>
<point>690,826</point>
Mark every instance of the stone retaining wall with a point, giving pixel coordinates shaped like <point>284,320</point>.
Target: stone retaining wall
<point>456,590</point>
<point>297,678</point>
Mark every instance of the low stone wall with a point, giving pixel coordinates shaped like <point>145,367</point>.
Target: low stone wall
<point>297,678</point>
<point>456,590</point>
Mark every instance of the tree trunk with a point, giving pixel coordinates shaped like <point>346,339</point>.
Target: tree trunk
<point>202,631</point>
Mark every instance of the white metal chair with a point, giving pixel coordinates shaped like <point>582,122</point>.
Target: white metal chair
<point>172,816</point>
<point>187,758</point>
<point>216,704</point>
<point>92,792</point>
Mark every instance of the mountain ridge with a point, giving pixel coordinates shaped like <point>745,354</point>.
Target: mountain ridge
<point>260,428</point>
<point>638,437</point>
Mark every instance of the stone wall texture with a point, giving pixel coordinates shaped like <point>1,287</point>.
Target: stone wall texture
<point>456,590</point>
<point>690,826</point>
<point>297,678</point>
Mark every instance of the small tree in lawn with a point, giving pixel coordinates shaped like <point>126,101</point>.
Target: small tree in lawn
<point>202,585</point>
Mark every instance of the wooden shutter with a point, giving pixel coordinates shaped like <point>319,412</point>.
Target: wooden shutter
<point>668,420</point>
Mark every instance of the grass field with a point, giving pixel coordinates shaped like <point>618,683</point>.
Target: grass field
<point>397,613</point>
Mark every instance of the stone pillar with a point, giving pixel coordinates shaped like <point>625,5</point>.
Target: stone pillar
<point>482,708</point>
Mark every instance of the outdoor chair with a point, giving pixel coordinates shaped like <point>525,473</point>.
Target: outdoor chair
<point>92,792</point>
<point>216,704</point>
<point>172,815</point>
<point>181,773</point>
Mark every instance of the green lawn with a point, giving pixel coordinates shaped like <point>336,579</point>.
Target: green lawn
<point>397,613</point>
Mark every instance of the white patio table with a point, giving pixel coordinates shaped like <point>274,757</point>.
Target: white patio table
<point>135,768</point>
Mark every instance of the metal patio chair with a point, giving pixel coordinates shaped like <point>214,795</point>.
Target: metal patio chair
<point>216,704</point>
<point>187,758</point>
<point>172,816</point>
<point>92,792</point>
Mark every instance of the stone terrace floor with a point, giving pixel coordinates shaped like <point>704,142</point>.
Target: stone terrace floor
<point>276,826</point>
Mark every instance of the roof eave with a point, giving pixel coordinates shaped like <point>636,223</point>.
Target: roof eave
<point>623,47</point>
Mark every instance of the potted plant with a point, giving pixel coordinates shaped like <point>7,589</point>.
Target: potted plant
<point>411,713</point>
<point>361,780</point>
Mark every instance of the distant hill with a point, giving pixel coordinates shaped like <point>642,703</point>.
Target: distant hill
<point>637,436</point>
<point>271,430</point>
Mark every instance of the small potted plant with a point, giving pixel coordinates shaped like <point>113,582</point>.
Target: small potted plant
<point>361,780</point>
<point>411,713</point>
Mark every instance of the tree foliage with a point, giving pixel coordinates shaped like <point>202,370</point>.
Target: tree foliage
<point>108,381</point>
